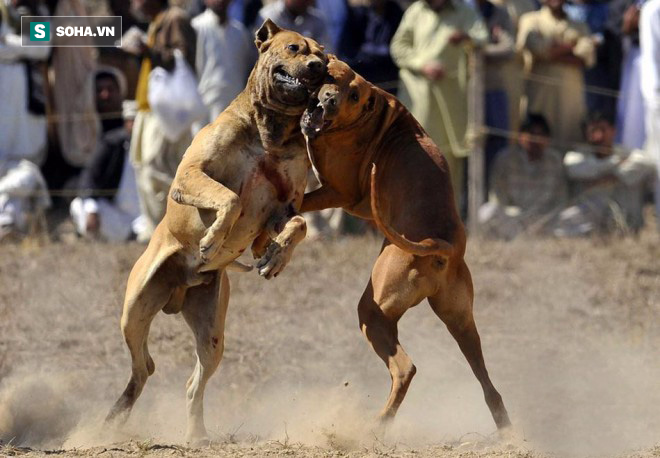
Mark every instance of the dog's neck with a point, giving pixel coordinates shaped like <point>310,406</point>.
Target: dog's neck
<point>277,131</point>
<point>367,142</point>
<point>278,124</point>
<point>367,135</point>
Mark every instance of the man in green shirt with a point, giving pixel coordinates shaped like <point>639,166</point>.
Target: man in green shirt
<point>431,48</point>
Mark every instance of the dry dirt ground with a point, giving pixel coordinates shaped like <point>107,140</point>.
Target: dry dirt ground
<point>570,329</point>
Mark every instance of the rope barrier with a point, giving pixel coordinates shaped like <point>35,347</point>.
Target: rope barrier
<point>386,85</point>
<point>483,130</point>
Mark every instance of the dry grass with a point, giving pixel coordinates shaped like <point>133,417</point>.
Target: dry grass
<point>570,332</point>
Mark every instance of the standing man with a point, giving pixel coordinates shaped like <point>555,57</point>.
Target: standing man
<point>224,56</point>
<point>649,33</point>
<point>299,16</point>
<point>515,78</point>
<point>155,157</point>
<point>365,41</point>
<point>623,31</point>
<point>560,50</point>
<point>500,65</point>
<point>23,191</point>
<point>431,48</point>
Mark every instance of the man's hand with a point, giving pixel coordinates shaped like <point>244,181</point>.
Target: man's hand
<point>138,49</point>
<point>496,34</point>
<point>434,71</point>
<point>134,41</point>
<point>93,224</point>
<point>606,180</point>
<point>458,37</point>
<point>630,20</point>
<point>559,50</point>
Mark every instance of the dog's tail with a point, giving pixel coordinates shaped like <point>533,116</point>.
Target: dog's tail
<point>427,247</point>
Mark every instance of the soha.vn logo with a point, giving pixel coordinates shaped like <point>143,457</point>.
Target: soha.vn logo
<point>39,31</point>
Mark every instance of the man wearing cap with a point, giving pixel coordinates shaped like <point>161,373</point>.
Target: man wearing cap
<point>108,205</point>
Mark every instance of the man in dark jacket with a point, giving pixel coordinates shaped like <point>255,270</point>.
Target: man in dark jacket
<point>365,42</point>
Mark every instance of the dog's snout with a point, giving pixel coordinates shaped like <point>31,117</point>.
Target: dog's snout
<point>329,98</point>
<point>315,65</point>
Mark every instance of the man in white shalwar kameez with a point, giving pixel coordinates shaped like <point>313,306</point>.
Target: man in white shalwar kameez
<point>22,133</point>
<point>224,57</point>
<point>649,32</point>
<point>23,190</point>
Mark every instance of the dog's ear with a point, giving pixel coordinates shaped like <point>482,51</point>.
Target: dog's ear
<point>265,33</point>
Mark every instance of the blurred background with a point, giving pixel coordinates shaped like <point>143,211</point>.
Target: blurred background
<point>546,111</point>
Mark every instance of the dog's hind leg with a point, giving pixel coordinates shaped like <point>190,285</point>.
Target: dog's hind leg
<point>204,310</point>
<point>453,305</point>
<point>146,294</point>
<point>135,324</point>
<point>387,296</point>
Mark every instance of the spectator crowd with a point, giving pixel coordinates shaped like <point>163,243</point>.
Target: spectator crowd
<point>570,103</point>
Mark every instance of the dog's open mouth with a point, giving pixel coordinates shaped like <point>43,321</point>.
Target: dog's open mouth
<point>313,121</point>
<point>282,77</point>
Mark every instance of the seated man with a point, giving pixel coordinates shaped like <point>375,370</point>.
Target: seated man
<point>608,180</point>
<point>23,195</point>
<point>527,184</point>
<point>108,204</point>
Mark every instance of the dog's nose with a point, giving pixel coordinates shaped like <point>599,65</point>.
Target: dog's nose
<point>329,98</point>
<point>315,65</point>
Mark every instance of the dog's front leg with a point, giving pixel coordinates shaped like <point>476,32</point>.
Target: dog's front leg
<point>197,189</point>
<point>322,198</point>
<point>286,233</point>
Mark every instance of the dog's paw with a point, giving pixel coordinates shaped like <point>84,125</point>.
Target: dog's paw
<point>210,245</point>
<point>274,261</point>
<point>260,245</point>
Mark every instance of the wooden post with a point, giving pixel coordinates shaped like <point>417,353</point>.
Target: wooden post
<point>476,161</point>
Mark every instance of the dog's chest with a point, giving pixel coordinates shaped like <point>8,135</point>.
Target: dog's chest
<point>271,182</point>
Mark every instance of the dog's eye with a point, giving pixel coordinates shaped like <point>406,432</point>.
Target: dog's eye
<point>293,48</point>
<point>354,96</point>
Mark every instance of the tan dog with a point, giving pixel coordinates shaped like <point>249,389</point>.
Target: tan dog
<point>375,160</point>
<point>242,179</point>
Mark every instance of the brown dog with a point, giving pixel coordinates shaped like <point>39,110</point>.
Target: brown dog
<point>375,160</point>
<point>242,179</point>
